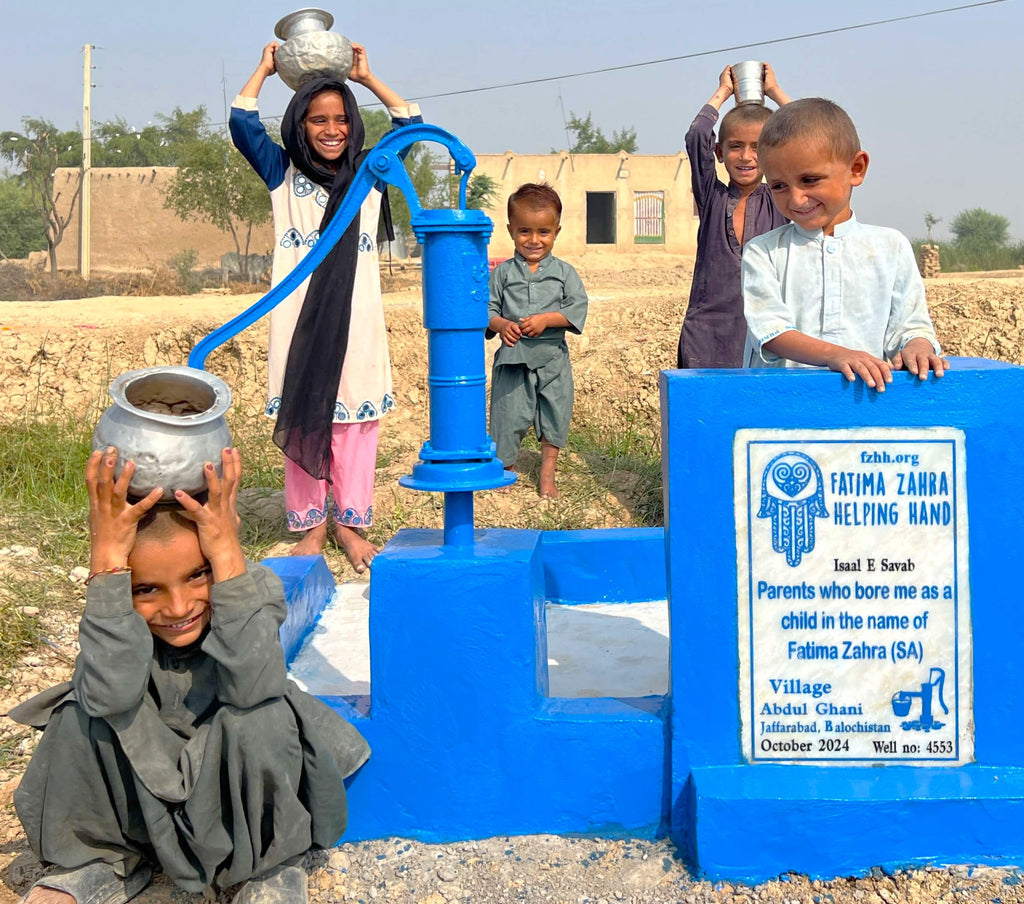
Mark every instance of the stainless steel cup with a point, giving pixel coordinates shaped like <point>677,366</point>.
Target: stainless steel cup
<point>748,82</point>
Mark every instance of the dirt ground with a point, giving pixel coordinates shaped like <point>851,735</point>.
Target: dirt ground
<point>57,358</point>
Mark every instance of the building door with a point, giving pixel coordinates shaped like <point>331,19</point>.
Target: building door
<point>649,217</point>
<point>600,218</point>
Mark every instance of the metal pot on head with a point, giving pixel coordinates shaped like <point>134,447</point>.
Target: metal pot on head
<point>170,422</point>
<point>748,82</point>
<point>310,49</point>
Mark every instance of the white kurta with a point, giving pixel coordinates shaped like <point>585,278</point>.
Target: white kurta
<point>365,390</point>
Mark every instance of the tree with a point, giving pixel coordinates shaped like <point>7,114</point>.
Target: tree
<point>979,229</point>
<point>116,143</point>
<point>591,140</point>
<point>214,184</point>
<point>21,231</point>
<point>930,222</point>
<point>481,192</point>
<point>37,152</point>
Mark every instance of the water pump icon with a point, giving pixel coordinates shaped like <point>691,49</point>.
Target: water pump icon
<point>902,700</point>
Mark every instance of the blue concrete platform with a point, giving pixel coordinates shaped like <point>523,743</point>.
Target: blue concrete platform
<point>754,821</point>
<point>468,744</point>
<point>836,821</point>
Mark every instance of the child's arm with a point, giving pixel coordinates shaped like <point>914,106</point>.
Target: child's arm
<point>247,603</point>
<point>724,90</point>
<point>535,324</point>
<point>910,339</point>
<point>498,323</point>
<point>116,646</point>
<point>266,68</point>
<point>269,160</point>
<point>700,142</point>
<point>796,346</point>
<point>572,307</point>
<point>771,86</point>
<point>362,75</point>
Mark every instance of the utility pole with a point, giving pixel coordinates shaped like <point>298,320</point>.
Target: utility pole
<point>85,207</point>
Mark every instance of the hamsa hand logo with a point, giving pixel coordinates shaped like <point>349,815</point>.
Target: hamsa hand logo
<point>792,495</point>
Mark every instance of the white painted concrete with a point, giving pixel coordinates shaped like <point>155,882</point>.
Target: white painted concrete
<point>598,650</point>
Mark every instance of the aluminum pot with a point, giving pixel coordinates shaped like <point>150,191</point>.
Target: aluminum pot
<point>170,422</point>
<point>310,49</point>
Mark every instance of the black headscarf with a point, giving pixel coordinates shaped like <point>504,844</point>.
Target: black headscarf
<point>320,340</point>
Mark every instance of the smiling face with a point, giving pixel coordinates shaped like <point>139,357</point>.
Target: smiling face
<point>810,186</point>
<point>326,125</point>
<point>534,231</point>
<point>171,582</point>
<point>738,151</point>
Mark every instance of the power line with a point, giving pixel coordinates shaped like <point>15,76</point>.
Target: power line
<point>702,53</point>
<point>686,56</point>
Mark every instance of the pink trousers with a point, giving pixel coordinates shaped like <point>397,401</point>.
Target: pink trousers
<point>353,466</point>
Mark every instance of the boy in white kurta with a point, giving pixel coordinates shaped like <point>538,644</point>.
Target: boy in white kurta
<point>825,290</point>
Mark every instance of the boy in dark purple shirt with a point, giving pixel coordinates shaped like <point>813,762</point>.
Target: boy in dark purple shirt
<point>714,330</point>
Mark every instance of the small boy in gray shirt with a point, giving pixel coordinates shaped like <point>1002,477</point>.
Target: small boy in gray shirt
<point>535,298</point>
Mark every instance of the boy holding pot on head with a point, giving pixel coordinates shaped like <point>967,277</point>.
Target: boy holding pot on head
<point>826,290</point>
<point>714,330</point>
<point>179,744</point>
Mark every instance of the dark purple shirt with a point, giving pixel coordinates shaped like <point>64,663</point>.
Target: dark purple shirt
<point>714,330</point>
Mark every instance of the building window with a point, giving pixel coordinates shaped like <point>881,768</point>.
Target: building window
<point>600,218</point>
<point>649,217</point>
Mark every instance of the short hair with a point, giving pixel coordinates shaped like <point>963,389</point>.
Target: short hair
<point>163,520</point>
<point>743,115</point>
<point>536,196</point>
<point>812,118</point>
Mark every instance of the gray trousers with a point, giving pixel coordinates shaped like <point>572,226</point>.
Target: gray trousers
<point>264,792</point>
<point>522,397</point>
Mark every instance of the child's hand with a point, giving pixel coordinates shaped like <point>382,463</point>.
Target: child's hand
<point>918,356</point>
<point>510,332</point>
<point>724,90</point>
<point>725,81</point>
<point>852,364</point>
<point>771,86</point>
<point>217,521</point>
<point>268,63</point>
<point>113,520</point>
<point>534,325</point>
<point>360,64</point>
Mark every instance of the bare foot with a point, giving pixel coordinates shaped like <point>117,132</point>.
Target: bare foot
<point>43,895</point>
<point>359,550</point>
<point>508,489</point>
<point>313,543</point>
<point>548,459</point>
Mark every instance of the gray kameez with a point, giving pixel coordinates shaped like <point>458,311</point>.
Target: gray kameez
<point>531,381</point>
<point>205,759</point>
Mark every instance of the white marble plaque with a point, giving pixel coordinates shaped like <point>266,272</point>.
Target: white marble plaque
<point>854,602</point>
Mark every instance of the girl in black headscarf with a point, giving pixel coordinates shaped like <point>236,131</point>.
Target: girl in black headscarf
<point>330,375</point>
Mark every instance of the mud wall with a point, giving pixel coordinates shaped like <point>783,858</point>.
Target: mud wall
<point>131,229</point>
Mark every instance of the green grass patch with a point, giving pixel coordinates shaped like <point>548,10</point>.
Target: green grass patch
<point>956,258</point>
<point>42,490</point>
<point>626,457</point>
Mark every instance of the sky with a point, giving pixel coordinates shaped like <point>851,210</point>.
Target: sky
<point>937,100</point>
